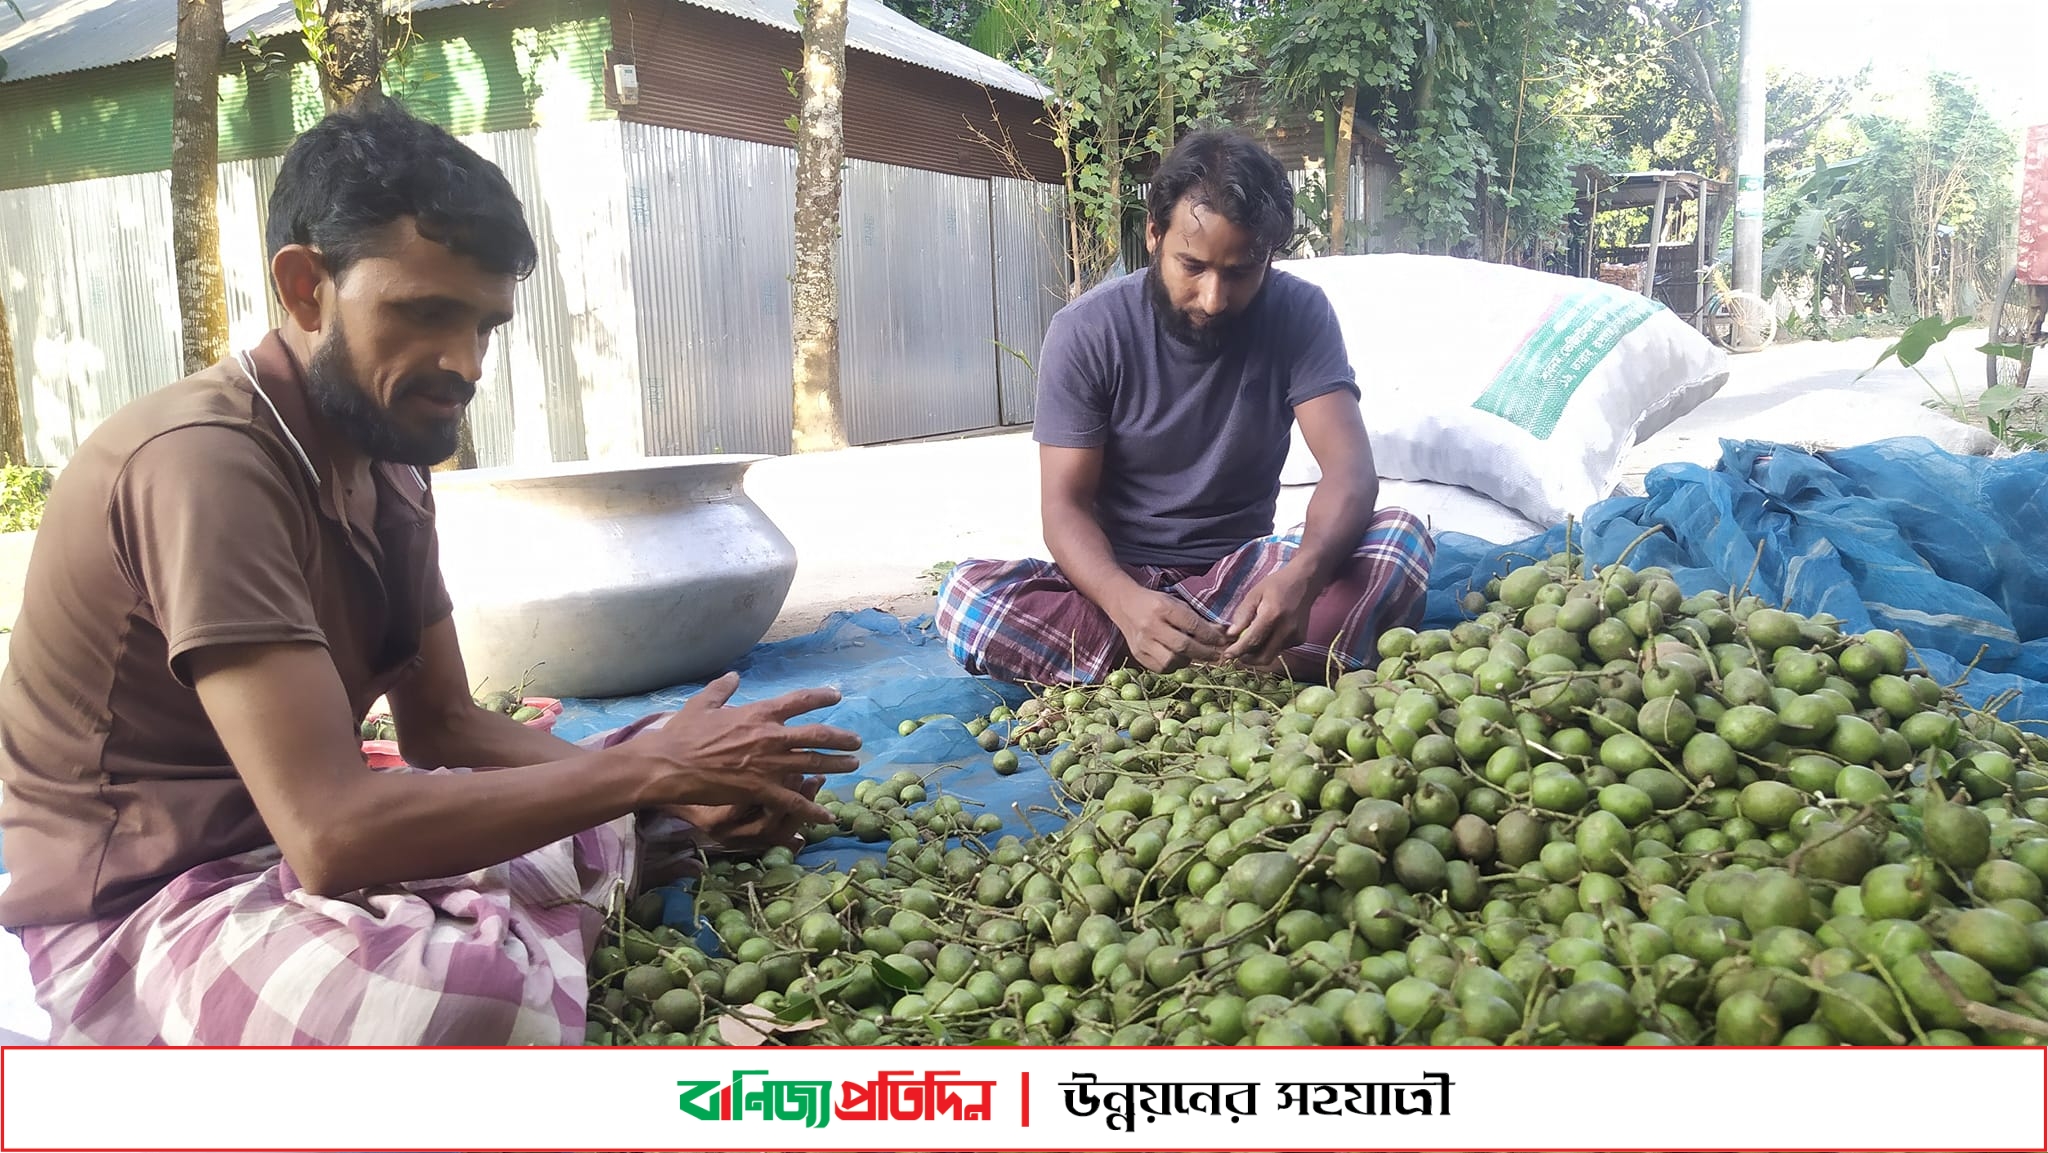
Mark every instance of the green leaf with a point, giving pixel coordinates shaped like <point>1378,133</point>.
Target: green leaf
<point>801,1009</point>
<point>1995,400</point>
<point>2007,351</point>
<point>1914,344</point>
<point>889,978</point>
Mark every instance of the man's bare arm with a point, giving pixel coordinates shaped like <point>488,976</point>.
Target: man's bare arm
<point>439,723</point>
<point>285,720</point>
<point>1274,617</point>
<point>1163,633</point>
<point>1067,480</point>
<point>1342,507</point>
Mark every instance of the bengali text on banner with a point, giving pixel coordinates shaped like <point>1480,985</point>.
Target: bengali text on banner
<point>1024,1099</point>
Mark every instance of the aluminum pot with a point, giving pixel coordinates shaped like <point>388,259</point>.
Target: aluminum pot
<point>605,579</point>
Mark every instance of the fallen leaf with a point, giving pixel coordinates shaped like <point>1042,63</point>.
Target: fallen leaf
<point>751,1026</point>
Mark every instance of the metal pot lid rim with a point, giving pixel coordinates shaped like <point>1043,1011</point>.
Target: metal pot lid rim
<point>562,470</point>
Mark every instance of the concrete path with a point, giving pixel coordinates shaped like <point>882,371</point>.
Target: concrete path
<point>1809,394</point>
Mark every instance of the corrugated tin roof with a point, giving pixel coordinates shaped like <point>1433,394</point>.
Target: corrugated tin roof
<point>72,35</point>
<point>875,27</point>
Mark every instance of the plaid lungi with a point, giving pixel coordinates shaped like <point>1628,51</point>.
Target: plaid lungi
<point>1022,621</point>
<point>235,952</point>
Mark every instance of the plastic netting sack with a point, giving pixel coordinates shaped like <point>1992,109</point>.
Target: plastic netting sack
<point>1946,549</point>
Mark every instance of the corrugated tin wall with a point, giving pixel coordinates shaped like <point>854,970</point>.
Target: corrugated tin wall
<point>922,294</point>
<point>1029,242</point>
<point>86,268</point>
<point>561,386</point>
<point>471,69</point>
<point>658,321</point>
<point>243,197</point>
<point>712,255</point>
<point>106,122</point>
<point>93,300</point>
<point>917,354</point>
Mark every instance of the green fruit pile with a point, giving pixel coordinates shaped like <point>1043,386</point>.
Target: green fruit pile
<point>1598,812</point>
<point>378,727</point>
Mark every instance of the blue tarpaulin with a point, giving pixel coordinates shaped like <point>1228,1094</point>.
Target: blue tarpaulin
<point>887,671</point>
<point>1951,551</point>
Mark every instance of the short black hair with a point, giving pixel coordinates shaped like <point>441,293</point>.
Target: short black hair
<point>1227,173</point>
<point>366,165</point>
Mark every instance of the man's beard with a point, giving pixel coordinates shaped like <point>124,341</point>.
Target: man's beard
<point>369,426</point>
<point>1207,339</point>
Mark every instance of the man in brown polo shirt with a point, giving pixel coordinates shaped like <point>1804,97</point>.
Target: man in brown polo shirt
<point>230,570</point>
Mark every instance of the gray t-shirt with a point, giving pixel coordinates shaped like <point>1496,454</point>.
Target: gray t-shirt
<point>1192,443</point>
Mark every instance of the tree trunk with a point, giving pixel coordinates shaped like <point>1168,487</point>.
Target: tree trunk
<point>1169,116</point>
<point>13,445</point>
<point>1329,173</point>
<point>1340,189</point>
<point>1109,144</point>
<point>352,53</point>
<point>195,151</point>
<point>818,421</point>
<point>1077,261</point>
<point>1482,195</point>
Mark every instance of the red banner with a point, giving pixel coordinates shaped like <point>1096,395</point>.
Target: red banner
<point>2033,252</point>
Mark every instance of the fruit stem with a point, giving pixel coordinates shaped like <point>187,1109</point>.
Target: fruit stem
<point>1753,565</point>
<point>1825,991</point>
<point>1899,995</point>
<point>1272,912</point>
<point>1976,1013</point>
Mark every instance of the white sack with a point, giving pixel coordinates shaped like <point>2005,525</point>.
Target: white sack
<point>1524,386</point>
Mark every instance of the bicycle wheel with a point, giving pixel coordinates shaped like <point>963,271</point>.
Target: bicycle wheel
<point>2017,321</point>
<point>1741,321</point>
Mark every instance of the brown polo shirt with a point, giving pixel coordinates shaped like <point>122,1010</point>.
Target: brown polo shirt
<point>198,515</point>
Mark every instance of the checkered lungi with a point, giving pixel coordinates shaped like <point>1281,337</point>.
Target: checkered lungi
<point>1022,621</point>
<point>235,952</point>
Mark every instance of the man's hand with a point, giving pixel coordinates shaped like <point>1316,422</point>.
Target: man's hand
<point>1164,634</point>
<point>1273,619</point>
<point>751,828</point>
<point>748,756</point>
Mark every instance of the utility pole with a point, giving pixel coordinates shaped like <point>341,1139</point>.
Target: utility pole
<point>1749,158</point>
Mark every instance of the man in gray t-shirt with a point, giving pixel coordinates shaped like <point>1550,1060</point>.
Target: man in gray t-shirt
<point>1165,400</point>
